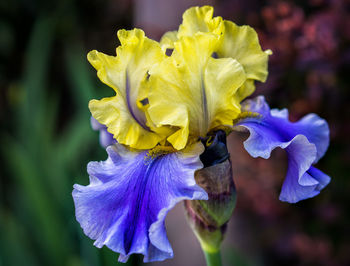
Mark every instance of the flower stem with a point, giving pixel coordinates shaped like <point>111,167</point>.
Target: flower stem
<point>213,258</point>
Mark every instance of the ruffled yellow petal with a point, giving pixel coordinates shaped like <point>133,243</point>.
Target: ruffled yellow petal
<point>127,74</point>
<point>168,39</point>
<point>200,19</point>
<point>113,112</point>
<point>193,91</point>
<point>109,69</point>
<point>195,19</point>
<point>237,42</point>
<point>242,43</point>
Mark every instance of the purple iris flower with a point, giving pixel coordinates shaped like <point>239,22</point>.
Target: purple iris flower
<point>171,115</point>
<point>305,142</point>
<point>130,194</point>
<point>106,138</point>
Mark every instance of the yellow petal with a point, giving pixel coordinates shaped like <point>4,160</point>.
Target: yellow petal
<point>238,42</point>
<point>223,77</point>
<point>195,19</point>
<point>242,43</point>
<point>193,91</point>
<point>109,69</point>
<point>168,39</point>
<point>200,19</point>
<point>113,113</point>
<point>127,74</point>
<point>245,90</point>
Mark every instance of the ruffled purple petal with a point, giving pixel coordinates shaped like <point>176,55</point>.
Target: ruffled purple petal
<point>129,196</point>
<point>305,141</point>
<point>302,180</point>
<point>106,138</point>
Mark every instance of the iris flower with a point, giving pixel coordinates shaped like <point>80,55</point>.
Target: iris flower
<point>170,97</point>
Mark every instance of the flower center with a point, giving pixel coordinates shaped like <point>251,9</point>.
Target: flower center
<point>158,151</point>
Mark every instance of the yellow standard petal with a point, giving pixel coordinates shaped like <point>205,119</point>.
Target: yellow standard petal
<point>127,74</point>
<point>194,92</point>
<point>238,42</point>
<point>242,44</point>
<point>195,19</point>
<point>200,19</point>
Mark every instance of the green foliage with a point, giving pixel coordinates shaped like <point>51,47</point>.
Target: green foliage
<point>42,161</point>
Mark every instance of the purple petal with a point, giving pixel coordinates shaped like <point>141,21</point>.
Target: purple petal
<point>106,138</point>
<point>302,181</point>
<point>305,141</point>
<point>317,131</point>
<point>275,122</point>
<point>129,195</point>
<point>95,124</point>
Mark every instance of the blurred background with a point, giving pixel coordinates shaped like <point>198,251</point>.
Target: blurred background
<point>46,140</point>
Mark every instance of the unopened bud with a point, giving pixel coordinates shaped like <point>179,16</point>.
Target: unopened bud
<point>208,218</point>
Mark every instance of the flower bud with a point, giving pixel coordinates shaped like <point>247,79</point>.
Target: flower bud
<point>208,218</point>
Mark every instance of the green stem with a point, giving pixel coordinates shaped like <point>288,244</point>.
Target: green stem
<point>213,258</point>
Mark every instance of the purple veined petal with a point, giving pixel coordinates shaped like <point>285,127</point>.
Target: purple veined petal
<point>129,196</point>
<point>305,141</point>
<point>106,138</point>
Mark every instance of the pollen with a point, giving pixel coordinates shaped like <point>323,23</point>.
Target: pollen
<point>245,115</point>
<point>158,151</point>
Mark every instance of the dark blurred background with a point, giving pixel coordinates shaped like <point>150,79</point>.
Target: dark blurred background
<point>46,140</point>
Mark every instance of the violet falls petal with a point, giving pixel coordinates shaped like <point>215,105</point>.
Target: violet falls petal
<point>298,184</point>
<point>275,123</point>
<point>305,142</point>
<point>129,195</point>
